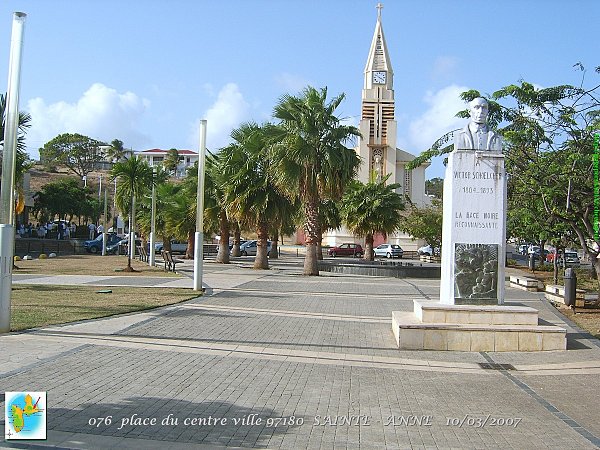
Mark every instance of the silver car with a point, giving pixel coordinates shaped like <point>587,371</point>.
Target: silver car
<point>389,250</point>
<point>249,248</point>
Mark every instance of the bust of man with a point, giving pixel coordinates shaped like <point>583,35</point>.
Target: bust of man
<point>477,135</point>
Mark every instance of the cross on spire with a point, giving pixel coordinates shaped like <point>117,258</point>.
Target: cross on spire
<point>379,8</point>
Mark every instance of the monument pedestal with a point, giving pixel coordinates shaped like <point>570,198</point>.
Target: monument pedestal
<point>474,229</point>
<point>474,328</point>
<point>470,315</point>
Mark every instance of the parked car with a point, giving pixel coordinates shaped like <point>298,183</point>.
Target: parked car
<point>427,250</point>
<point>571,259</point>
<point>522,249</point>
<point>242,241</point>
<point>176,246</point>
<point>248,248</point>
<point>95,245</point>
<point>389,250</point>
<point>347,249</point>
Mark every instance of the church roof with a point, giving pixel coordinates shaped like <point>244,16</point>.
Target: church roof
<point>379,58</point>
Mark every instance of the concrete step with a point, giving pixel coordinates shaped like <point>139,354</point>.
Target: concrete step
<point>412,334</point>
<point>435,312</point>
<point>524,283</point>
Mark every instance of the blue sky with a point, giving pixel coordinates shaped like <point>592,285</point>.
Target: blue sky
<point>147,71</point>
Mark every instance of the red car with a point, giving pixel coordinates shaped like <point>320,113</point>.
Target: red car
<point>346,250</point>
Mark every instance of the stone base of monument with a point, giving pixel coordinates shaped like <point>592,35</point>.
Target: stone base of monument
<point>474,328</point>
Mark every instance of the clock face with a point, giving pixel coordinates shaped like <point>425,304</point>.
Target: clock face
<point>379,77</point>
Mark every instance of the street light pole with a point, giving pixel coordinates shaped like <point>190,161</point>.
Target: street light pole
<point>105,229</point>
<point>199,235</point>
<point>7,189</point>
<point>151,254</point>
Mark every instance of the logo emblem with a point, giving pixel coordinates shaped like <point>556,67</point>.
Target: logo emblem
<point>25,414</point>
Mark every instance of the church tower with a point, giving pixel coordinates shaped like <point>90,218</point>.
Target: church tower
<point>378,127</point>
<point>377,147</point>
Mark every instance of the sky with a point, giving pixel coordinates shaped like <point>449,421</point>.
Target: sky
<point>146,72</point>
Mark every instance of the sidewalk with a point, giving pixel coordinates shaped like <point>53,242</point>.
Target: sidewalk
<point>272,359</point>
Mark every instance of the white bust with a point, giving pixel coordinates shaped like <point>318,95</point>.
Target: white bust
<point>477,135</point>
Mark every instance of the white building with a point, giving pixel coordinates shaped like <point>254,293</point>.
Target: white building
<point>377,147</point>
<point>156,157</point>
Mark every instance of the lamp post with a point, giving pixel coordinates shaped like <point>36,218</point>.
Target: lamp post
<point>104,228</point>
<point>199,235</point>
<point>151,254</point>
<point>7,190</point>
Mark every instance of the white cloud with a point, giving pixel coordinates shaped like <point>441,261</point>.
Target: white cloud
<point>227,112</point>
<point>292,84</point>
<point>101,113</point>
<point>444,67</point>
<point>439,118</point>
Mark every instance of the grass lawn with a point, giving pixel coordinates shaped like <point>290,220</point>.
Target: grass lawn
<point>36,306</point>
<point>90,265</point>
<point>587,319</point>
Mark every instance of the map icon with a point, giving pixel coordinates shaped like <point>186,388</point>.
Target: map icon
<point>25,414</point>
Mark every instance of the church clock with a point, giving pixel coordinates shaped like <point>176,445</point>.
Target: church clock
<point>379,77</point>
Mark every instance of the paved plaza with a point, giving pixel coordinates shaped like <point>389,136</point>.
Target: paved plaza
<point>272,359</point>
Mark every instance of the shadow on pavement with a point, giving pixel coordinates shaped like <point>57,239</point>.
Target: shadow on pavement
<point>218,423</point>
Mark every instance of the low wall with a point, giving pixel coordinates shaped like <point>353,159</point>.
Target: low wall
<point>384,269</point>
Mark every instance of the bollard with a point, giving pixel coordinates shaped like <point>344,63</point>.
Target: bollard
<point>570,287</point>
<point>532,262</point>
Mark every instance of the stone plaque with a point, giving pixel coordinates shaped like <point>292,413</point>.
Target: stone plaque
<point>475,273</point>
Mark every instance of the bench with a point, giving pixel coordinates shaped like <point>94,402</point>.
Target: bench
<point>170,262</point>
<point>556,293</point>
<point>524,283</point>
<point>142,253</point>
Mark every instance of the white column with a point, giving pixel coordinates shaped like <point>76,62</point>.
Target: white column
<point>151,252</point>
<point>199,235</point>
<point>7,192</point>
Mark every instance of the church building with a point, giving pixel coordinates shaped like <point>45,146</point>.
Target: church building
<point>377,147</point>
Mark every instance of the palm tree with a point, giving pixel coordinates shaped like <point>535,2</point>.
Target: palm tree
<point>171,161</point>
<point>116,152</point>
<point>215,213</point>
<point>22,163</point>
<point>134,178</point>
<point>368,209</point>
<point>165,191</point>
<point>312,162</point>
<point>250,192</point>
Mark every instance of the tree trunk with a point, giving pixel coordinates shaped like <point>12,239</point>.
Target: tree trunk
<point>596,266</point>
<point>235,250</point>
<point>261,261</point>
<point>555,266</point>
<point>319,244</point>
<point>223,255</point>
<point>191,243</point>
<point>166,243</point>
<point>311,227</point>
<point>368,247</point>
<point>274,247</point>
<point>542,244</point>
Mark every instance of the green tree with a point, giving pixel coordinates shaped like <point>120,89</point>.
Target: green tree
<point>62,198</point>
<point>172,160</point>
<point>134,179</point>
<point>435,187</point>
<point>22,163</point>
<point>78,153</point>
<point>165,191</point>
<point>116,152</point>
<point>425,223</point>
<point>368,209</point>
<point>250,191</point>
<point>549,141</point>
<point>310,158</point>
